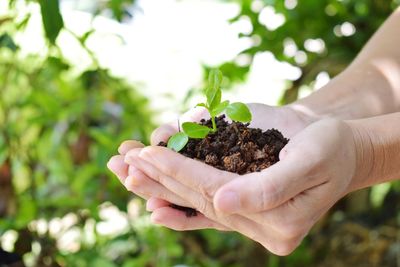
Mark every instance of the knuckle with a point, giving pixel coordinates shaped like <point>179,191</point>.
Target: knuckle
<point>208,191</point>
<point>270,194</point>
<point>204,207</point>
<point>174,171</point>
<point>160,178</point>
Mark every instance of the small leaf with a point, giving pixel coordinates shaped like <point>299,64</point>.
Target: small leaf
<point>216,101</point>
<point>52,19</point>
<point>213,92</point>
<point>238,112</point>
<point>201,105</point>
<point>215,79</point>
<point>7,41</point>
<point>219,109</point>
<point>195,130</point>
<point>178,141</point>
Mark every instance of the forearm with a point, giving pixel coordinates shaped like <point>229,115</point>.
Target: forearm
<point>370,86</point>
<point>377,141</point>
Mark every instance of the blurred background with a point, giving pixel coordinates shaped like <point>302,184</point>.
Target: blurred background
<point>79,77</point>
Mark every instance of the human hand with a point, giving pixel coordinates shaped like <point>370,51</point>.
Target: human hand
<point>275,207</point>
<point>264,117</point>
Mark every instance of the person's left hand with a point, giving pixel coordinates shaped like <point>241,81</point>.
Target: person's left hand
<point>275,207</point>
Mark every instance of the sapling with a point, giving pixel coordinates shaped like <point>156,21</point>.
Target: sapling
<point>237,111</point>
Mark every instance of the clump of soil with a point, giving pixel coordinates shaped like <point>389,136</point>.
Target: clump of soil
<point>235,148</point>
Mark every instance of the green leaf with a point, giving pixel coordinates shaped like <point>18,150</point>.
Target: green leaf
<point>213,92</point>
<point>195,130</point>
<point>238,112</point>
<point>201,105</point>
<point>178,141</point>
<point>216,100</point>
<point>52,19</point>
<point>220,108</point>
<point>7,41</point>
<point>215,79</point>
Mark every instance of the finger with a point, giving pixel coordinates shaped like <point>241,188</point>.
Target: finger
<point>162,133</point>
<point>194,174</point>
<point>154,203</point>
<point>139,183</point>
<point>128,145</point>
<point>117,165</point>
<point>268,189</point>
<point>177,220</point>
<point>165,131</point>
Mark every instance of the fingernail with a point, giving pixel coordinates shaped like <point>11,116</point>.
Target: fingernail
<point>126,146</point>
<point>229,202</point>
<point>116,165</point>
<point>109,165</point>
<point>154,218</point>
<point>150,206</point>
<point>131,181</point>
<point>128,160</point>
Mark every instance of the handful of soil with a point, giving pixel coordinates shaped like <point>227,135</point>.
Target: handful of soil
<point>235,148</point>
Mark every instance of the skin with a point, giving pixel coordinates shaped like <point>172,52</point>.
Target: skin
<point>332,151</point>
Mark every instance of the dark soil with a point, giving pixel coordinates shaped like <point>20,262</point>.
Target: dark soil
<point>235,148</point>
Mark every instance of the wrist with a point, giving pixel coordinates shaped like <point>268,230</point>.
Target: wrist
<point>365,157</point>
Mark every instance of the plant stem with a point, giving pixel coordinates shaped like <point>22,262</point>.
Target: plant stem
<point>214,129</point>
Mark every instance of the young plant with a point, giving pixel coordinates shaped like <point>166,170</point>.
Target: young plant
<point>235,111</point>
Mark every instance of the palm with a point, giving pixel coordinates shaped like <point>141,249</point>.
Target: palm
<point>284,119</point>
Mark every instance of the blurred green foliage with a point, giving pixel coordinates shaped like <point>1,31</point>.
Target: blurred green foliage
<point>58,128</point>
<point>306,21</point>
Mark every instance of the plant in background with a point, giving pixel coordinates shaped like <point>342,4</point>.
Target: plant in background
<point>235,111</point>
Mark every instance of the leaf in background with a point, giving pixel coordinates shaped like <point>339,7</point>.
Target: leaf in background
<point>220,108</point>
<point>195,130</point>
<point>120,8</point>
<point>4,20</point>
<point>52,19</point>
<point>7,41</point>
<point>178,141</point>
<point>238,112</point>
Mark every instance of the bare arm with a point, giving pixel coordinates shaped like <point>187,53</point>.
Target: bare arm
<point>370,86</point>
<point>377,141</point>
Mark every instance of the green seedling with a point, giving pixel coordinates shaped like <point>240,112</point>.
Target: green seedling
<point>235,111</point>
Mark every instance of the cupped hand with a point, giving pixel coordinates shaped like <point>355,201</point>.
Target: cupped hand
<point>275,207</point>
<point>265,117</point>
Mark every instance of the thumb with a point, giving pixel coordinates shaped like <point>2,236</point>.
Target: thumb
<point>268,189</point>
